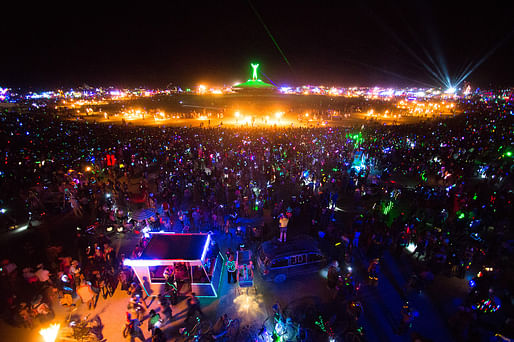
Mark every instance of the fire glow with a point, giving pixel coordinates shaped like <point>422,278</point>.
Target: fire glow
<point>50,334</point>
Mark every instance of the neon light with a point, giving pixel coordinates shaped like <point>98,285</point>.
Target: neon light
<point>254,74</point>
<point>157,262</point>
<point>221,271</point>
<point>205,247</point>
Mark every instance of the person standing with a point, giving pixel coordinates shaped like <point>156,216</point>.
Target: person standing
<point>373,270</point>
<point>87,295</point>
<point>332,275</point>
<point>169,274</point>
<point>231,269</point>
<point>283,221</point>
<point>43,275</point>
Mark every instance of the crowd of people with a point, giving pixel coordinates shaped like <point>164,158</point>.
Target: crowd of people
<point>442,189</point>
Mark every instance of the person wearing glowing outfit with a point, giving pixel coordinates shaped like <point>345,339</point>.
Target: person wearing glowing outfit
<point>231,269</point>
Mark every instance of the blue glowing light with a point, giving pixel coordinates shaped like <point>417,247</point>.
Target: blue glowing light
<point>205,247</point>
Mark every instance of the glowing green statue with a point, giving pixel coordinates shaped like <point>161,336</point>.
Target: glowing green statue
<point>254,75</point>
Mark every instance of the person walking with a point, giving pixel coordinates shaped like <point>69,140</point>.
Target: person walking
<point>154,321</point>
<point>134,330</point>
<point>193,306</point>
<point>165,308</point>
<point>137,307</point>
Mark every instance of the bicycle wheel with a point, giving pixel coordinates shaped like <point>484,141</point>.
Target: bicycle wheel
<point>204,326</point>
<point>233,330</point>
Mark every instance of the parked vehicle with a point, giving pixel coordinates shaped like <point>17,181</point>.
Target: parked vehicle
<point>277,261</point>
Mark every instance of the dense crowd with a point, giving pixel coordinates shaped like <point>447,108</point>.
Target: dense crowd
<point>441,189</point>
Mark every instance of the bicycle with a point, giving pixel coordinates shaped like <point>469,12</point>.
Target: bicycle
<point>249,333</point>
<point>198,331</point>
<point>227,333</point>
<point>232,330</point>
<point>82,330</point>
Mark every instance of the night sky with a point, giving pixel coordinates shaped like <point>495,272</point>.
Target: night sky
<point>189,42</point>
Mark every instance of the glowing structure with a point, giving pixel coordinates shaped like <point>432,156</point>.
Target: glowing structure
<point>254,85</point>
<point>169,249</point>
<point>254,75</point>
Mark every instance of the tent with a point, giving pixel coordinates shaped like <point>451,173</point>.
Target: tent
<point>198,264</point>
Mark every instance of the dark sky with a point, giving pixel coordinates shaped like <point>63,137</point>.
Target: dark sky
<point>49,45</point>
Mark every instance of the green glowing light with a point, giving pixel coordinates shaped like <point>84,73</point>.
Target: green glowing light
<point>461,216</point>
<point>475,197</point>
<point>509,154</point>
<point>387,208</point>
<point>254,74</point>
<point>269,34</point>
<point>321,324</point>
<point>357,138</point>
<point>424,176</point>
